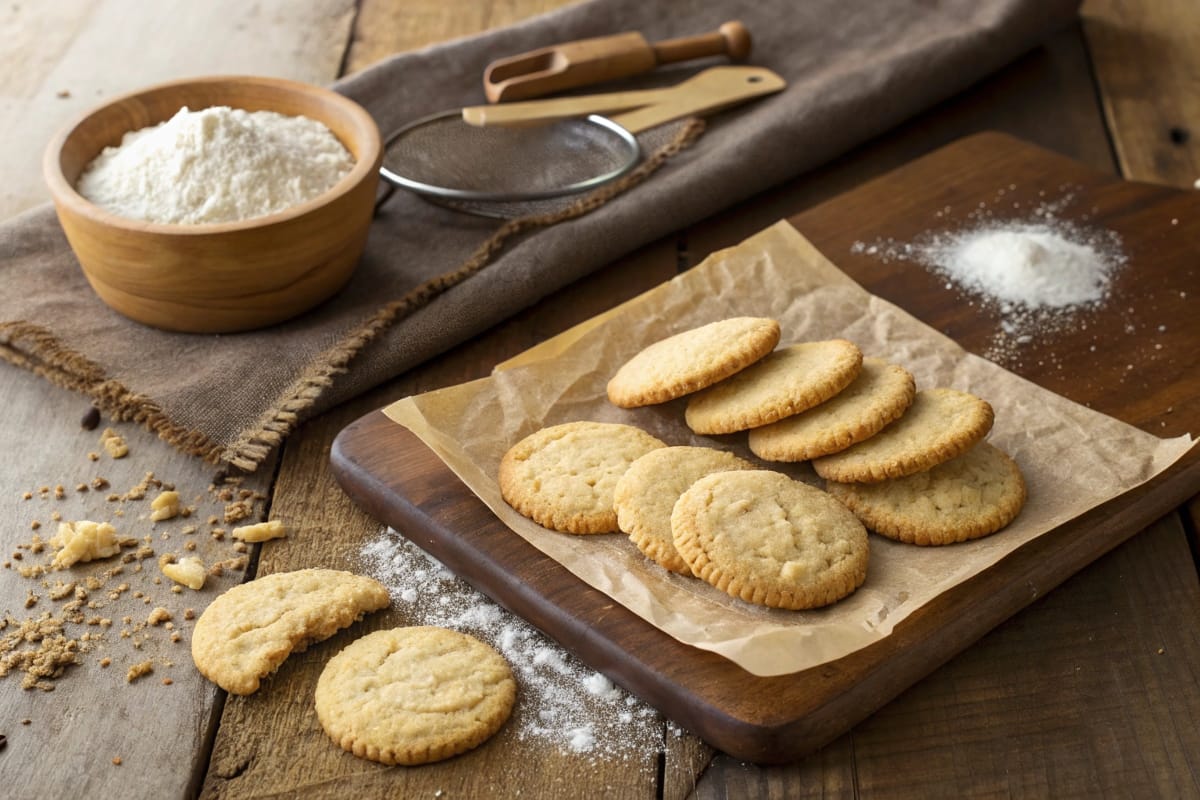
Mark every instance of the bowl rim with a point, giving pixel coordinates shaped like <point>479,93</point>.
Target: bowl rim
<point>64,193</point>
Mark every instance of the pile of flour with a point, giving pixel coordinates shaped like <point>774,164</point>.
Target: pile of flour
<point>1039,275</point>
<point>218,164</point>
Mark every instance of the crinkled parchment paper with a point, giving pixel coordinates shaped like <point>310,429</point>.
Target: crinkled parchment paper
<point>1073,458</point>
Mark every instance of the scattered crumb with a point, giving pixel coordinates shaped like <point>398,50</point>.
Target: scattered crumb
<point>261,532</point>
<point>158,616</point>
<point>139,670</point>
<point>165,506</point>
<point>113,443</point>
<point>116,761</point>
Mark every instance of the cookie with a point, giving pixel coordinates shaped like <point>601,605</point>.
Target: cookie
<point>879,395</point>
<point>767,539</point>
<point>247,632</point>
<point>790,380</point>
<point>563,477</point>
<point>939,425</point>
<point>692,360</point>
<point>414,695</point>
<point>647,492</point>
<point>970,496</point>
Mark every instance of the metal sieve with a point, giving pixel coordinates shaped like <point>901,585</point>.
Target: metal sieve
<point>497,160</point>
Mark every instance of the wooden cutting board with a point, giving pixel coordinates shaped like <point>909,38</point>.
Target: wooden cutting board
<point>1138,360</point>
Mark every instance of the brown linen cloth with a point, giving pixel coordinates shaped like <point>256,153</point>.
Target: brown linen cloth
<point>854,68</point>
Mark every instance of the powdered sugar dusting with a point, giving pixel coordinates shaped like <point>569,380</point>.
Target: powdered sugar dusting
<point>560,700</point>
<point>1039,273</point>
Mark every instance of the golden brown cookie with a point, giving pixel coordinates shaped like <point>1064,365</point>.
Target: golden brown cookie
<point>939,425</point>
<point>563,477</point>
<point>414,695</point>
<point>247,632</point>
<point>970,496</point>
<point>647,492</point>
<point>692,360</point>
<point>790,380</point>
<point>767,539</point>
<point>879,395</point>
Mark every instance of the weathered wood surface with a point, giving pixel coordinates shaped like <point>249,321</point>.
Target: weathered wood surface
<point>1108,621</point>
<point>397,479</point>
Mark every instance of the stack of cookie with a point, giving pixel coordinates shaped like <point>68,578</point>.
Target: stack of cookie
<point>909,465</point>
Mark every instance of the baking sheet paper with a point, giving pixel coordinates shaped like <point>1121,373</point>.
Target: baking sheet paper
<point>1073,458</point>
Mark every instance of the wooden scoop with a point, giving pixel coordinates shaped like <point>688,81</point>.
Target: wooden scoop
<point>708,91</point>
<point>587,61</point>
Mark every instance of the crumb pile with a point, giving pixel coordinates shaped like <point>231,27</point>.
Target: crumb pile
<point>560,700</point>
<point>87,578</point>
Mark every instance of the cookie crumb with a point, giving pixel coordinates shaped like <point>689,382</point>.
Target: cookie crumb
<point>138,671</point>
<point>113,443</point>
<point>116,761</point>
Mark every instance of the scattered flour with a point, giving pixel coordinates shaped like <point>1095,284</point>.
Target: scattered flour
<point>559,700</point>
<point>218,164</point>
<point>1040,275</point>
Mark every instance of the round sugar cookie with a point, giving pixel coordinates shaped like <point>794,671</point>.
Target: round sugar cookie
<point>647,492</point>
<point>879,395</point>
<point>939,425</point>
<point>414,695</point>
<point>563,477</point>
<point>790,380</point>
<point>692,360</point>
<point>767,539</point>
<point>967,497</point>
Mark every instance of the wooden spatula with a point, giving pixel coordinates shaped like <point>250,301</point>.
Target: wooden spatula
<point>589,61</point>
<point>708,91</point>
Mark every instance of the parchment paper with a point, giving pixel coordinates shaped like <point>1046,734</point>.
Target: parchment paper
<point>1073,458</point>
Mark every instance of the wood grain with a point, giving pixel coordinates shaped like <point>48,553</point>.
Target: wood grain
<point>93,715</point>
<point>1146,57</point>
<point>396,480</point>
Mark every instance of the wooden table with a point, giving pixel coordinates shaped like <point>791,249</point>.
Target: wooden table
<point>1088,692</point>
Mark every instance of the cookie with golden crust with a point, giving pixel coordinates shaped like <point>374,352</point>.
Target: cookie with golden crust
<point>973,495</point>
<point>414,695</point>
<point>248,631</point>
<point>563,477</point>
<point>692,360</point>
<point>939,425</point>
<point>767,539</point>
<point>879,395</point>
<point>646,494</point>
<point>790,380</point>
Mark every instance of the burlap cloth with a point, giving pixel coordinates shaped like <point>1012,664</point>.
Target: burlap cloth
<point>431,277</point>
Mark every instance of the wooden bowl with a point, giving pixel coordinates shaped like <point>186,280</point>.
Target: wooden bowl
<point>221,277</point>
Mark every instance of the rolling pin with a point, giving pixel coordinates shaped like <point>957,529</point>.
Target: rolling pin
<point>587,61</point>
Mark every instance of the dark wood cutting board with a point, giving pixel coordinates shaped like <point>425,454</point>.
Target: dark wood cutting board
<point>1112,365</point>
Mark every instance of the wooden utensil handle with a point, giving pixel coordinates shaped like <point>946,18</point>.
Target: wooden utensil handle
<point>731,39</point>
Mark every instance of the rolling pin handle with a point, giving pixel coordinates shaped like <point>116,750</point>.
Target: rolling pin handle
<point>731,39</point>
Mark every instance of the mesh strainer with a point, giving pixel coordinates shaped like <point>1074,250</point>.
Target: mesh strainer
<point>512,154</point>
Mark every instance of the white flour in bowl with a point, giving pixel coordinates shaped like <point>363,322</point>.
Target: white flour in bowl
<point>218,164</point>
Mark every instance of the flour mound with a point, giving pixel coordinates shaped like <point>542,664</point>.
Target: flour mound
<point>218,164</point>
<point>1029,265</point>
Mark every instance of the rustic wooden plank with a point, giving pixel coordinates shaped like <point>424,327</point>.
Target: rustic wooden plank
<point>1146,57</point>
<point>60,59</point>
<point>384,28</point>
<point>160,732</point>
<point>297,757</point>
<point>397,480</point>
<point>1077,696</point>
